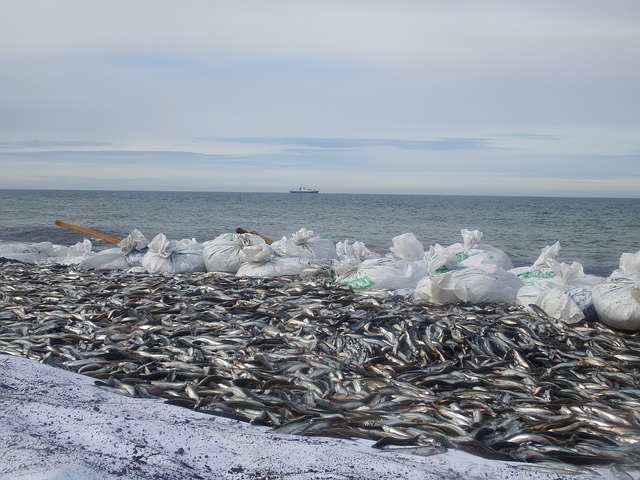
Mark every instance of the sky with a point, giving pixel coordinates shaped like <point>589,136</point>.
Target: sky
<point>461,97</point>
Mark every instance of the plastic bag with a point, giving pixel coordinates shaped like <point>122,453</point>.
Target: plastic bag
<point>173,256</point>
<point>304,244</point>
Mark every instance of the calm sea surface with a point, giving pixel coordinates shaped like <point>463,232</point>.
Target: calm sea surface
<point>594,232</point>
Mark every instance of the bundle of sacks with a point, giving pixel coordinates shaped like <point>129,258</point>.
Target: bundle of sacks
<point>617,298</point>
<point>158,256</point>
<point>467,272</point>
<point>47,252</point>
<point>241,254</point>
<point>248,255</point>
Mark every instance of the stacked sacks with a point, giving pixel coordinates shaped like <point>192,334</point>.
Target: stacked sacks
<point>260,260</point>
<point>129,253</point>
<point>47,252</point>
<point>398,271</point>
<point>173,256</point>
<point>617,298</point>
<point>304,244</point>
<point>563,291</point>
<point>223,253</point>
<point>467,272</point>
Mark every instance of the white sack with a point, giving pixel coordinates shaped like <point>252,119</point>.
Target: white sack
<point>471,253</point>
<point>617,299</point>
<point>629,266</point>
<point>407,247</point>
<point>617,303</point>
<point>129,253</point>
<point>362,269</point>
<point>566,295</point>
<point>27,252</point>
<point>355,252</point>
<point>381,274</point>
<point>135,241</point>
<point>47,252</point>
<point>110,259</point>
<point>223,253</point>
<point>430,290</point>
<point>276,267</point>
<point>472,285</point>
<point>261,261</point>
<point>173,256</point>
<point>73,255</point>
<point>304,244</point>
<point>558,303</point>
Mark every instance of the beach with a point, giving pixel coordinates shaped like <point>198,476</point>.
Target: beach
<point>304,361</point>
<point>58,425</point>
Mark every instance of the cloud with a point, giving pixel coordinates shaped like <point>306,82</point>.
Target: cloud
<point>353,143</point>
<point>389,96</point>
<point>48,144</point>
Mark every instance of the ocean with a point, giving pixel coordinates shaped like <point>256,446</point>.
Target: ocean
<point>592,231</point>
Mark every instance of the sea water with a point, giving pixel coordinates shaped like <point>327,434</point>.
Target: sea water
<point>592,231</point>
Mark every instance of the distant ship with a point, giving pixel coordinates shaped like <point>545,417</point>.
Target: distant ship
<point>303,190</point>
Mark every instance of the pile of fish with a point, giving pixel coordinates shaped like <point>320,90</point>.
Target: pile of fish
<point>309,357</point>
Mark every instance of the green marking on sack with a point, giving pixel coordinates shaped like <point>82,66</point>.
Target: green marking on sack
<point>537,274</point>
<point>361,283</point>
<point>462,256</point>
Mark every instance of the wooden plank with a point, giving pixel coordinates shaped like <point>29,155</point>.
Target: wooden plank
<point>88,231</point>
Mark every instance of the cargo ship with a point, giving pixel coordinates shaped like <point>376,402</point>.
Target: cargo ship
<point>303,190</point>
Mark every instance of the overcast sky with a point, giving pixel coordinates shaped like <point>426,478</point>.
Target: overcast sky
<point>435,97</point>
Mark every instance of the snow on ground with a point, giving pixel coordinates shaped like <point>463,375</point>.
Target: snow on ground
<point>58,425</point>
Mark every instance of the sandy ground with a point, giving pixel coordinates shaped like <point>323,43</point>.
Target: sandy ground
<point>58,425</point>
